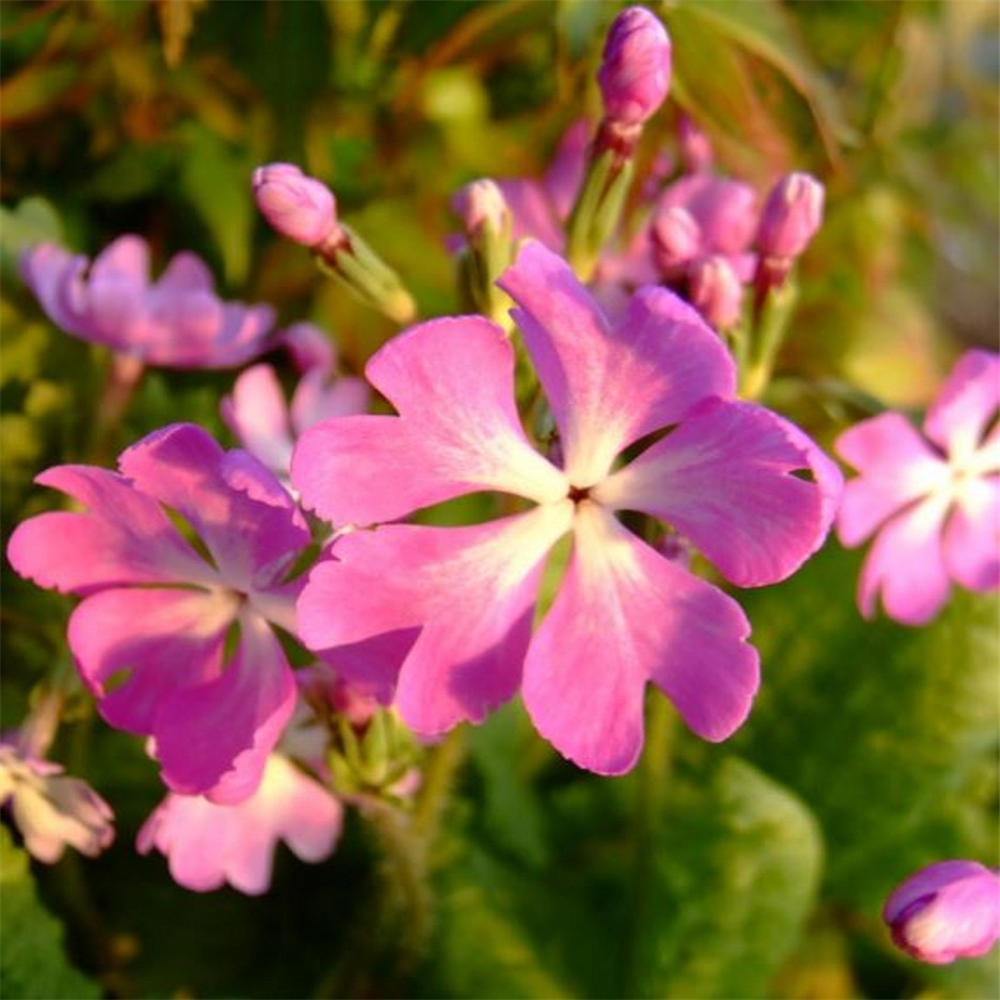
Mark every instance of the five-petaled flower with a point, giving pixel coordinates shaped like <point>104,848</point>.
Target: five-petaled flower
<point>948,910</point>
<point>933,500</point>
<point>151,636</point>
<point>442,617</point>
<point>177,321</point>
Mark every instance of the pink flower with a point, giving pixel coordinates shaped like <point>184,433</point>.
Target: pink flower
<point>265,424</point>
<point>52,809</point>
<point>791,217</point>
<point>296,206</point>
<point>635,68</point>
<point>151,634</point>
<point>208,844</point>
<point>945,911</point>
<point>931,500</point>
<point>442,617</point>
<point>177,321</point>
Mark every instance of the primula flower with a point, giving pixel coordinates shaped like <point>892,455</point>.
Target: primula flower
<point>152,635</point>
<point>442,617</point>
<point>948,910</point>
<point>931,500</point>
<point>208,845</point>
<point>177,321</point>
<point>50,808</point>
<point>265,424</point>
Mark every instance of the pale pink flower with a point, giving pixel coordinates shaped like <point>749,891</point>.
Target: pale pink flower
<point>932,500</point>
<point>150,635</point>
<point>948,910</point>
<point>441,618</point>
<point>208,844</point>
<point>177,321</point>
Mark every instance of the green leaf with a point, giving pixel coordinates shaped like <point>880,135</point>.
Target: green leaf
<point>733,879</point>
<point>884,730</point>
<point>34,960</point>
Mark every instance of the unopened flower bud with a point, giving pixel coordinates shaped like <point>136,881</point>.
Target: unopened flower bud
<point>676,238</point>
<point>635,68</point>
<point>716,291</point>
<point>480,205</point>
<point>696,147</point>
<point>945,911</point>
<point>297,206</point>
<point>792,215</point>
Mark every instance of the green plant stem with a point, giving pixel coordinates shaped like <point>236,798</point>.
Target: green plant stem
<point>653,775</point>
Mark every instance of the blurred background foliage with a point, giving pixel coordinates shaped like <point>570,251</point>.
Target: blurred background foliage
<point>755,869</point>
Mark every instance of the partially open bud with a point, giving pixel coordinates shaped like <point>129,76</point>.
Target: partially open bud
<point>481,204</point>
<point>792,215</point>
<point>635,68</point>
<point>716,291</point>
<point>676,238</point>
<point>297,206</point>
<point>945,911</point>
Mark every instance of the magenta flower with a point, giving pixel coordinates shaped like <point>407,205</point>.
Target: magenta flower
<point>635,67</point>
<point>945,911</point>
<point>177,321</point>
<point>442,617</point>
<point>208,845</point>
<point>932,500</point>
<point>152,635</point>
<point>265,424</point>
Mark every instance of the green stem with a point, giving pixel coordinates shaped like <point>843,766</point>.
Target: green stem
<point>768,336</point>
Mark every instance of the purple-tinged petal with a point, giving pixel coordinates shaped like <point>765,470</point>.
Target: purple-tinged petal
<point>906,566</point>
<point>625,615</point>
<point>185,273</point>
<point>457,431</point>
<point>945,911</point>
<point>55,277</point>
<point>125,537</point>
<point>252,535</point>
<point>972,536</point>
<point>726,210</point>
<point>470,590</point>
<point>257,414</point>
<point>896,467</point>
<point>164,640</point>
<point>124,259</point>
<point>724,479</point>
<point>214,739</point>
<point>967,404</point>
<point>610,386</point>
<point>533,212</point>
<point>316,398</point>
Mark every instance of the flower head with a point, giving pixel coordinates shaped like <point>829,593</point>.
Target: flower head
<point>945,911</point>
<point>151,635</point>
<point>176,321</point>
<point>296,206</point>
<point>635,68</point>
<point>441,618</point>
<point>209,845</point>
<point>932,500</point>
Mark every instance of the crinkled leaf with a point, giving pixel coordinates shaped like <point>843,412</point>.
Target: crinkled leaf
<point>34,959</point>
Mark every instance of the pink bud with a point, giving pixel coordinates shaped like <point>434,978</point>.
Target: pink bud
<point>696,147</point>
<point>716,291</point>
<point>792,215</point>
<point>945,911</point>
<point>479,204</point>
<point>635,69</point>
<point>676,238</point>
<point>297,206</point>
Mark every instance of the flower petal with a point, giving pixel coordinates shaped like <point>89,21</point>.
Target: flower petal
<point>966,405</point>
<point>55,277</point>
<point>896,467</point>
<point>906,565</point>
<point>252,531</point>
<point>470,590</point>
<point>125,537</point>
<point>610,386</point>
<point>257,414</point>
<point>457,431</point>
<point>724,478</point>
<point>214,739</point>
<point>625,615</point>
<point>165,639</point>
<point>972,536</point>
